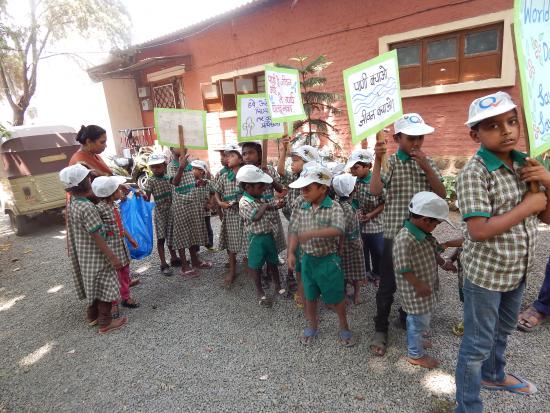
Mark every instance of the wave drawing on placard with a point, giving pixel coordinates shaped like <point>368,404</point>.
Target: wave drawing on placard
<point>379,92</point>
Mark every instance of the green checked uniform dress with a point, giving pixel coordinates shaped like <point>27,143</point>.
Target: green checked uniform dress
<point>188,226</point>
<point>486,187</point>
<point>414,251</point>
<point>161,189</point>
<point>94,276</point>
<point>403,179</point>
<point>112,233</point>
<point>231,233</point>
<point>367,203</point>
<point>262,246</point>
<point>353,259</point>
<point>320,265</point>
<point>203,194</point>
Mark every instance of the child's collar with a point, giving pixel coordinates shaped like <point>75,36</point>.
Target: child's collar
<point>493,162</point>
<point>325,203</point>
<point>403,156</point>
<point>417,232</point>
<point>249,197</point>
<point>81,198</point>
<point>366,179</point>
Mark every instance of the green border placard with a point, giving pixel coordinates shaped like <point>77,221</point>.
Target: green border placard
<point>166,143</point>
<point>256,137</point>
<point>526,92</point>
<point>362,66</point>
<point>290,118</point>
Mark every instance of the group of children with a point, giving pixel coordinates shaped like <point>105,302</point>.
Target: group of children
<point>344,228</point>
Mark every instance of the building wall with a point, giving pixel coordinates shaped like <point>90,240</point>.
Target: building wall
<point>123,106</point>
<point>347,32</point>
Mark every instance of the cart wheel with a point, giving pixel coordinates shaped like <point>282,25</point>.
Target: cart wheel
<point>19,223</point>
<point>142,180</point>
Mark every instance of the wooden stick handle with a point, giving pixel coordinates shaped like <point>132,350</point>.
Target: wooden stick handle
<point>181,139</point>
<point>264,154</point>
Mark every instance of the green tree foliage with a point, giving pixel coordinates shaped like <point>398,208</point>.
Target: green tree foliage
<point>318,103</point>
<point>23,40</point>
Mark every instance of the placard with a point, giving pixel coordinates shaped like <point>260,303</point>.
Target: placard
<point>167,121</point>
<point>373,95</point>
<point>254,121</point>
<point>532,34</point>
<point>284,94</point>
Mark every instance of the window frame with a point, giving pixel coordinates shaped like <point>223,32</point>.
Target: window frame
<point>479,23</point>
<point>228,105</point>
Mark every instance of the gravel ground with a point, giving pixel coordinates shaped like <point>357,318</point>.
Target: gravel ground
<point>193,346</point>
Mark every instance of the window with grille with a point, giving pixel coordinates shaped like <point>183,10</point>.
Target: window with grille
<point>461,56</point>
<point>221,96</point>
<point>169,95</point>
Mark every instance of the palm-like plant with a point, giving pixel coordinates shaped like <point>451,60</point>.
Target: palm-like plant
<point>318,104</point>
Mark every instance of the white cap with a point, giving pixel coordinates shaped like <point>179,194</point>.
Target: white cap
<point>156,159</point>
<point>252,174</point>
<point>489,106</point>
<point>360,155</point>
<point>428,204</point>
<point>233,147</point>
<point>412,124</point>
<point>197,163</point>
<point>306,152</point>
<point>312,173</point>
<point>335,168</point>
<point>73,175</point>
<point>343,184</point>
<point>104,186</point>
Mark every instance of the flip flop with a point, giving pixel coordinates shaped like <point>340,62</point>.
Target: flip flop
<point>514,388</point>
<point>347,339</point>
<point>379,340</point>
<point>265,302</point>
<point>525,322</point>
<point>204,265</point>
<point>309,336</point>
<point>190,273</point>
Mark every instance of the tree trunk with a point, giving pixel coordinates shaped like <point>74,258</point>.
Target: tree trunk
<point>18,116</point>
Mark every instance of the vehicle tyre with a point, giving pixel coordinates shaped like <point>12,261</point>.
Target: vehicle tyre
<point>142,180</point>
<point>19,223</point>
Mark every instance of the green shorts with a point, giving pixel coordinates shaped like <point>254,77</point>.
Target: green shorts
<point>261,249</point>
<point>323,276</point>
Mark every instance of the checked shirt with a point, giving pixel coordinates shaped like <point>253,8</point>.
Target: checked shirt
<point>328,214</point>
<point>414,251</point>
<point>486,187</point>
<point>403,179</point>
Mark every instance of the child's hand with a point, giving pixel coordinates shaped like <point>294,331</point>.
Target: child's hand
<point>535,202</point>
<point>281,194</point>
<point>380,150</point>
<point>133,243</point>
<point>304,237</point>
<point>291,260</point>
<point>423,289</point>
<point>535,172</point>
<point>225,205</point>
<point>449,266</point>
<point>420,158</point>
<point>280,203</point>
<point>285,140</point>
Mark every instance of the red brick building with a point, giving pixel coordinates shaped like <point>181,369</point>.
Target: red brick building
<point>450,52</point>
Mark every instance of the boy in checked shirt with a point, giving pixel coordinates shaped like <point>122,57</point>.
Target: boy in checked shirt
<point>501,217</point>
<point>318,225</point>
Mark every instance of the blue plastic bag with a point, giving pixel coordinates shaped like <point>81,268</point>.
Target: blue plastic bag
<point>137,218</point>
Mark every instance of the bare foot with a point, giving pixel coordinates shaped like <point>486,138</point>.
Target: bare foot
<point>378,350</point>
<point>425,361</point>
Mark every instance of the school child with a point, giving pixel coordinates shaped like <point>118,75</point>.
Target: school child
<point>415,258</point>
<point>160,188</point>
<point>370,212</point>
<point>205,193</point>
<point>93,263</point>
<point>223,161</point>
<point>252,155</point>
<point>409,171</point>
<point>260,228</point>
<point>300,156</point>
<point>499,246</point>
<point>188,225</point>
<point>318,225</point>
<point>227,197</point>
<point>351,250</point>
<point>107,190</point>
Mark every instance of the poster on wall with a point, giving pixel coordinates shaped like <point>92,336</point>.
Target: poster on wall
<point>284,94</point>
<point>167,121</point>
<point>373,95</point>
<point>532,35</point>
<point>254,121</point>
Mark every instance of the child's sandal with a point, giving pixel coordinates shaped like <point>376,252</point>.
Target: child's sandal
<point>347,339</point>
<point>309,336</point>
<point>265,302</point>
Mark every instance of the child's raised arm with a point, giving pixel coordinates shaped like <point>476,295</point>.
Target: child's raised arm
<point>376,184</point>
<point>281,163</point>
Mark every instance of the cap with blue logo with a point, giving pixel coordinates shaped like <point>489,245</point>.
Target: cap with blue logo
<point>412,124</point>
<point>488,106</point>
